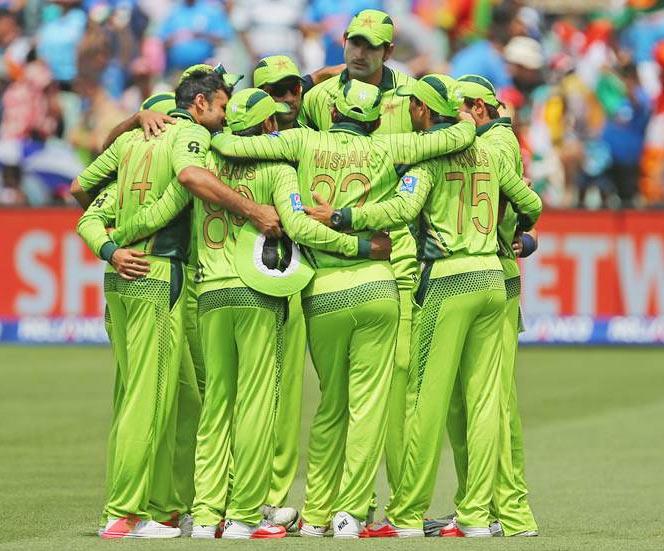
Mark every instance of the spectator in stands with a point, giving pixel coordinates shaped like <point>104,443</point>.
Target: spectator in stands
<point>191,32</point>
<point>58,39</point>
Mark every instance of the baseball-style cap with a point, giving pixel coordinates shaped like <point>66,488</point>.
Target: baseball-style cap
<point>271,266</point>
<point>359,101</point>
<point>161,103</point>
<point>439,92</point>
<point>250,107</point>
<point>524,51</point>
<point>374,25</point>
<point>274,68</point>
<point>478,87</point>
<point>230,79</point>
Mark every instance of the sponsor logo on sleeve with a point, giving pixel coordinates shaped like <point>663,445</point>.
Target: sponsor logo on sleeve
<point>296,202</point>
<point>408,183</point>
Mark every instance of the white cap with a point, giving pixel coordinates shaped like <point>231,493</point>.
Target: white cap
<point>524,51</point>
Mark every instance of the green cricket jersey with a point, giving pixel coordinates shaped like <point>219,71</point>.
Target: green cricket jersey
<point>97,217</point>
<point>347,167</point>
<point>144,170</point>
<point>458,199</point>
<point>268,184</point>
<point>501,136</point>
<point>316,111</point>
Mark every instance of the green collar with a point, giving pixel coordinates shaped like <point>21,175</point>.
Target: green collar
<point>181,114</point>
<point>500,121</point>
<point>439,126</point>
<point>387,82</point>
<point>348,128</point>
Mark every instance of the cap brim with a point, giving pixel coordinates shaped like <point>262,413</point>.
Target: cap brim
<point>254,274</point>
<point>405,90</point>
<point>373,40</point>
<point>281,107</point>
<point>231,79</point>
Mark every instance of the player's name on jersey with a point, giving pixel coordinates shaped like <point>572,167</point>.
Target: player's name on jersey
<point>472,157</point>
<point>334,160</point>
<point>238,171</point>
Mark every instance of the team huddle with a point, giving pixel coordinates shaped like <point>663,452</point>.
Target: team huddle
<point>361,214</point>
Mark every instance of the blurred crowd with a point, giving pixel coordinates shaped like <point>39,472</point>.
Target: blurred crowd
<point>583,82</point>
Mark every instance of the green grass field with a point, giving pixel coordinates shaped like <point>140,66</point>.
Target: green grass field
<point>594,438</point>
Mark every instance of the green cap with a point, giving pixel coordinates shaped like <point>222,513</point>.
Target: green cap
<point>359,101</point>
<point>161,103</point>
<point>271,266</point>
<point>374,25</point>
<point>439,92</point>
<point>250,107</point>
<point>478,87</point>
<point>274,68</point>
<point>230,79</point>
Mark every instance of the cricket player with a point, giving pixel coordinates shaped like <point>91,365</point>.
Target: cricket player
<point>510,503</point>
<point>462,296</point>
<point>367,45</point>
<point>242,333</point>
<point>279,76</point>
<point>355,301</point>
<point>146,313</point>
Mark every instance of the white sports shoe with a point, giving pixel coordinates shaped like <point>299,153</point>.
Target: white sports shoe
<point>311,530</point>
<point>204,532</point>
<point>281,516</point>
<point>456,530</point>
<point>237,530</point>
<point>386,529</point>
<point>496,529</point>
<point>136,528</point>
<point>433,526</point>
<point>346,526</point>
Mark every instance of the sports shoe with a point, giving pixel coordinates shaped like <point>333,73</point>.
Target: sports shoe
<point>281,516</point>
<point>237,530</point>
<point>455,530</point>
<point>527,534</point>
<point>496,529</point>
<point>132,527</point>
<point>432,526</point>
<point>184,522</point>
<point>386,529</point>
<point>208,532</point>
<point>311,530</point>
<point>346,526</point>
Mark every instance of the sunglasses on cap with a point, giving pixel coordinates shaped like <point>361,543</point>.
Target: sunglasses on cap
<point>279,89</point>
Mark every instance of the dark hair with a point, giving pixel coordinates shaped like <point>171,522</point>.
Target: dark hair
<point>199,82</point>
<point>367,127</point>
<point>490,109</point>
<point>255,130</point>
<point>434,117</point>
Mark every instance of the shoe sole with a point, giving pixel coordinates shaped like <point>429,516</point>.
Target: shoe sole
<point>137,537</point>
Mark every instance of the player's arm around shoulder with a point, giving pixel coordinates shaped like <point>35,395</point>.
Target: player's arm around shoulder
<point>278,146</point>
<point>101,172</point>
<point>526,203</point>
<point>410,196</point>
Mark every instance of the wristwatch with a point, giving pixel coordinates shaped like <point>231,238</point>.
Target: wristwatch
<point>335,220</point>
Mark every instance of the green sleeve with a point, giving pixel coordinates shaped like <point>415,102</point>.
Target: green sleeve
<point>153,217</point>
<point>415,147</point>
<point>309,113</point>
<point>411,195</point>
<point>279,146</point>
<point>302,229</point>
<point>102,171</point>
<point>190,147</point>
<point>525,201</point>
<point>99,216</point>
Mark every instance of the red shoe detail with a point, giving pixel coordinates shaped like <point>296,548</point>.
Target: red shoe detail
<point>120,528</point>
<point>385,531</point>
<point>365,533</point>
<point>220,529</point>
<point>265,534</point>
<point>453,532</point>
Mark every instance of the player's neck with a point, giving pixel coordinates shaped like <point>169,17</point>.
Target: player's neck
<point>375,78</point>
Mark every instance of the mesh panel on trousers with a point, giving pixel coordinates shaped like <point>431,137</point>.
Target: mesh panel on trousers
<point>437,291</point>
<point>513,287</point>
<point>156,292</point>
<point>324,303</point>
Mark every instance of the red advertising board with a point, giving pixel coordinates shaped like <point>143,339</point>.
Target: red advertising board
<point>597,277</point>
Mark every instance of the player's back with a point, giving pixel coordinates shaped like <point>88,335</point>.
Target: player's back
<point>216,229</point>
<point>460,216</point>
<point>395,118</point>
<point>145,170</point>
